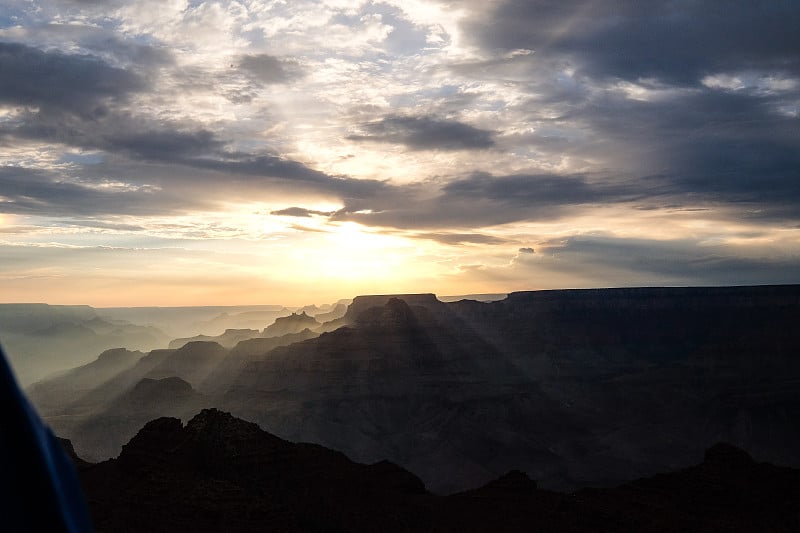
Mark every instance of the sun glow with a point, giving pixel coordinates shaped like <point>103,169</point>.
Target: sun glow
<point>350,252</point>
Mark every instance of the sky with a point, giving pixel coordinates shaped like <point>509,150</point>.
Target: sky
<point>173,152</point>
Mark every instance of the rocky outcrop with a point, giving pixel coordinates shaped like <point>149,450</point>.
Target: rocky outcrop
<point>294,323</point>
<point>160,392</point>
<point>221,473</point>
<point>394,315</point>
<point>362,303</point>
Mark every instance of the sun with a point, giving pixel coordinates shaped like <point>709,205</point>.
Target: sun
<point>351,252</point>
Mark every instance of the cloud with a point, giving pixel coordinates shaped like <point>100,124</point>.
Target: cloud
<point>694,101</point>
<point>539,116</point>
<point>79,84</point>
<point>85,113</point>
<point>674,42</point>
<point>676,261</point>
<point>162,144</point>
<point>708,148</point>
<point>121,132</point>
<point>141,138</point>
<point>170,187</point>
<point>604,260</point>
<point>300,212</point>
<point>100,224</point>
<point>44,193</point>
<point>94,40</point>
<point>269,69</point>
<point>536,190</point>
<point>424,133</point>
<point>482,199</point>
<point>298,227</point>
<point>665,96</point>
<point>456,239</point>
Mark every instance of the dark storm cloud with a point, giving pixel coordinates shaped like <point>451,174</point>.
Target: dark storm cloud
<point>677,42</point>
<point>119,132</point>
<point>708,147</point>
<point>685,140</point>
<point>612,260</point>
<point>73,83</point>
<point>260,166</point>
<point>269,69</point>
<point>536,190</point>
<point>163,144</point>
<point>425,133</point>
<point>728,176</point>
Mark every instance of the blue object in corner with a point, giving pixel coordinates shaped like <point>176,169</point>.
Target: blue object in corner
<point>39,487</point>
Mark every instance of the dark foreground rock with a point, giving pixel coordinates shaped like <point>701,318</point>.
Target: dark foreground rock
<point>220,473</point>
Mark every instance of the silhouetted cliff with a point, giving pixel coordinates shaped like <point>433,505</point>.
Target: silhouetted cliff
<point>221,473</point>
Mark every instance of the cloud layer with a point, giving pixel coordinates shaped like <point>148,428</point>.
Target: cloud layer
<point>457,138</point>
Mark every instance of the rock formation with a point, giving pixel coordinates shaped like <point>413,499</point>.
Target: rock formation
<point>221,473</point>
<point>294,323</point>
<point>576,388</point>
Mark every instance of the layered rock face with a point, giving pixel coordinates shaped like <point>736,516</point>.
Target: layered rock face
<point>575,388</point>
<point>220,473</point>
